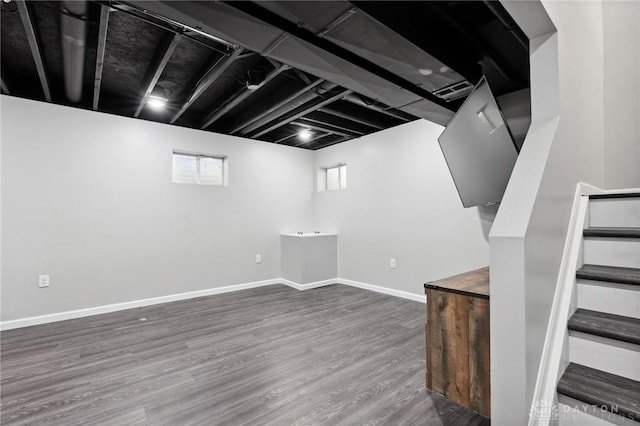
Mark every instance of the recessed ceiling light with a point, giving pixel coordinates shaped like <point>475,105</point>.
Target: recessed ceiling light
<point>305,134</point>
<point>425,71</point>
<point>156,102</point>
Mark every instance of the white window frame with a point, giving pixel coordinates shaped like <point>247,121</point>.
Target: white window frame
<point>198,157</point>
<point>323,177</point>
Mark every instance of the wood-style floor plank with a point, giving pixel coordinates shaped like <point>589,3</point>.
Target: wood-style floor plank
<point>268,356</point>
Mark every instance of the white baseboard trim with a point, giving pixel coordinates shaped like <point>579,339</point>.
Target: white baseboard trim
<point>308,286</point>
<point>379,289</point>
<point>79,313</point>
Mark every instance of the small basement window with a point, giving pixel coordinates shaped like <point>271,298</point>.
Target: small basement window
<point>199,169</point>
<point>332,178</point>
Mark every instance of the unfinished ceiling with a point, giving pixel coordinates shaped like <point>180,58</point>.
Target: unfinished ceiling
<point>263,70</point>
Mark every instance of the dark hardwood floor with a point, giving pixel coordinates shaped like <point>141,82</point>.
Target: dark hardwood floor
<point>274,355</point>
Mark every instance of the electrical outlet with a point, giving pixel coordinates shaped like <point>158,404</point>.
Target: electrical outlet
<point>392,263</point>
<point>258,258</point>
<point>43,281</point>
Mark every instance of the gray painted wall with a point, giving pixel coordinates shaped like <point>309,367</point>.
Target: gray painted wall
<point>621,21</point>
<point>88,198</point>
<point>400,203</point>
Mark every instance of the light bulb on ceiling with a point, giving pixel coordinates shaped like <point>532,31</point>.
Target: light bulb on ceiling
<point>157,103</point>
<point>253,82</point>
<point>304,135</point>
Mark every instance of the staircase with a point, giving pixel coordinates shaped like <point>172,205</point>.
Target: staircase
<point>603,376</point>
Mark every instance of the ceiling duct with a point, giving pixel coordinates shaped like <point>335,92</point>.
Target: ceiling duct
<point>302,49</point>
<point>73,32</point>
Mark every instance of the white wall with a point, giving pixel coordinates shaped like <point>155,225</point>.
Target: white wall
<point>400,203</point>
<point>87,198</point>
<point>621,21</point>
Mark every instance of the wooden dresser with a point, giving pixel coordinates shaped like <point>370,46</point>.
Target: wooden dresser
<point>457,332</point>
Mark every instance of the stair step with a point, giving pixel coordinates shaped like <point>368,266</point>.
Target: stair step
<point>614,274</point>
<point>612,232</point>
<point>617,327</point>
<point>616,394</point>
<point>620,195</point>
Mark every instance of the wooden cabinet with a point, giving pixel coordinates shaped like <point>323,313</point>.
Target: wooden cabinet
<point>457,333</point>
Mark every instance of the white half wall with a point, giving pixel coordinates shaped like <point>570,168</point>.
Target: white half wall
<point>401,203</point>
<point>88,198</point>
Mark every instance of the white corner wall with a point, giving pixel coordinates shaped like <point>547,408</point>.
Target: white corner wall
<point>88,198</point>
<point>400,203</point>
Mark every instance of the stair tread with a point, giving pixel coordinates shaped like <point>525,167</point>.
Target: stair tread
<point>616,274</point>
<point>625,329</point>
<point>618,232</point>
<point>602,389</point>
<point>620,195</point>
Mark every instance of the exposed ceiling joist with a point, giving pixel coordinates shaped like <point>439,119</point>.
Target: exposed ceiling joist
<point>160,60</point>
<point>3,81</point>
<point>285,138</point>
<point>34,44</point>
<point>473,40</point>
<point>302,76</point>
<point>352,117</point>
<point>290,28</point>
<point>291,117</point>
<point>320,121</point>
<point>207,80</point>
<point>324,128</point>
<point>102,45</point>
<point>508,23</point>
<point>355,99</point>
<point>3,85</point>
<point>243,95</point>
<point>255,122</point>
<point>246,54</point>
<point>167,24</point>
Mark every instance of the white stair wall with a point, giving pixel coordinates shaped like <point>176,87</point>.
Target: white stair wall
<point>615,212</point>
<point>602,354</point>
<point>623,252</point>
<point>613,299</point>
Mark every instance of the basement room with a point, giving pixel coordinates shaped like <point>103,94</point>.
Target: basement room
<point>320,212</point>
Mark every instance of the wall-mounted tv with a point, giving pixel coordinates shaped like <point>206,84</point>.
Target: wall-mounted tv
<point>479,149</point>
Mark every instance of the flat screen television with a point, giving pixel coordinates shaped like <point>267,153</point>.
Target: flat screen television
<point>479,149</point>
